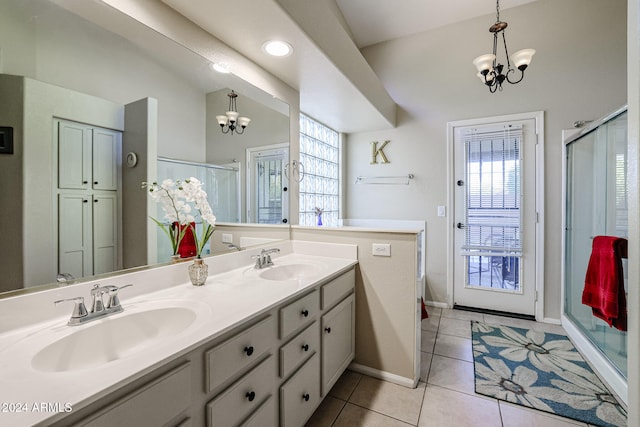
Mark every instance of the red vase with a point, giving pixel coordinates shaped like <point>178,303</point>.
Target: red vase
<point>187,246</point>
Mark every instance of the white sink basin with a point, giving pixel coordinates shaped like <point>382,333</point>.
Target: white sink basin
<point>290,271</point>
<point>112,338</point>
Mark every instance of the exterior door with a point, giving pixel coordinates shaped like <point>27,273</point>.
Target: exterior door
<point>495,216</point>
<point>267,184</point>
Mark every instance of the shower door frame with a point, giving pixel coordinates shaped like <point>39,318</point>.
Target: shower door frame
<point>595,357</point>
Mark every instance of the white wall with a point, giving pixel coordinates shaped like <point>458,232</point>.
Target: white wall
<point>578,73</point>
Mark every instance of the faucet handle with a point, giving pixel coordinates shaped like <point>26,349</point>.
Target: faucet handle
<point>259,261</point>
<point>112,291</point>
<point>96,292</point>
<point>79,309</point>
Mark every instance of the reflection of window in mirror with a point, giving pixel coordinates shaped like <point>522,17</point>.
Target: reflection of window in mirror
<point>320,185</point>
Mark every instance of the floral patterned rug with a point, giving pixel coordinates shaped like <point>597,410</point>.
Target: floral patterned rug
<point>542,371</point>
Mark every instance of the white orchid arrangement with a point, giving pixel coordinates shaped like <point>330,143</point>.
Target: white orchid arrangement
<point>176,197</point>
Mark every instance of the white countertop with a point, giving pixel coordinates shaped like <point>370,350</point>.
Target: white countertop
<point>227,300</point>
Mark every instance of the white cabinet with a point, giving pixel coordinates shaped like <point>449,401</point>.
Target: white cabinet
<point>338,341</point>
<point>300,395</point>
<point>88,211</point>
<point>87,157</point>
<point>270,370</point>
<point>87,233</point>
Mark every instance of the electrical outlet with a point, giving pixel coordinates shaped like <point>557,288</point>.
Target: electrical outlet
<point>227,238</point>
<point>381,249</point>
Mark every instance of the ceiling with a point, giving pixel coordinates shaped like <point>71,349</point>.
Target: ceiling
<point>336,84</point>
<point>375,21</point>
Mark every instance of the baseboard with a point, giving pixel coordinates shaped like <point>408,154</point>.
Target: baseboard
<point>551,321</point>
<point>382,375</point>
<point>436,304</point>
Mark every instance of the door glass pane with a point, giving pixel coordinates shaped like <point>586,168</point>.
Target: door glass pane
<point>269,192</point>
<point>493,245</point>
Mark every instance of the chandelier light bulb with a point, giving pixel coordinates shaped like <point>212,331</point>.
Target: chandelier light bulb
<point>522,58</point>
<point>484,62</point>
<point>222,120</point>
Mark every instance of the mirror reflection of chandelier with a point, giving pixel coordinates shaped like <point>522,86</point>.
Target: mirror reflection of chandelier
<point>230,122</point>
<point>490,70</point>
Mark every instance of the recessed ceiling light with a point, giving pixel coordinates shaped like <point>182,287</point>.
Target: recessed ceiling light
<point>220,67</point>
<point>277,48</point>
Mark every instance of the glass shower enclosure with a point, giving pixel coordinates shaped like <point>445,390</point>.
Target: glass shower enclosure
<point>596,204</point>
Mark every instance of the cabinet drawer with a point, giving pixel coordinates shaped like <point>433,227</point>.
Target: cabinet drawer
<point>300,396</point>
<point>265,416</point>
<point>245,396</point>
<point>338,288</point>
<point>229,358</point>
<point>303,345</point>
<point>153,404</point>
<point>298,314</point>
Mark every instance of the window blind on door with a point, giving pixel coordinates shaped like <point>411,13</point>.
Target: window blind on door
<point>493,191</point>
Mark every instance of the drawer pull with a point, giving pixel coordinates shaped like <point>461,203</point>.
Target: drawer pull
<point>305,397</point>
<point>251,395</point>
<point>305,313</point>
<point>327,330</point>
<point>249,350</point>
<point>305,347</point>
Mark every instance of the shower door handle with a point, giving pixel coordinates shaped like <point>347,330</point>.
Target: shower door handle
<point>459,226</point>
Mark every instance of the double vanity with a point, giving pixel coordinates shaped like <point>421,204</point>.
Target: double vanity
<point>257,345</point>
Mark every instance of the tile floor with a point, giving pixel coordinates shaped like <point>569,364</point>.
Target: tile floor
<point>445,395</point>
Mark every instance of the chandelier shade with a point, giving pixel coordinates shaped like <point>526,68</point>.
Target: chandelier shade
<point>490,71</point>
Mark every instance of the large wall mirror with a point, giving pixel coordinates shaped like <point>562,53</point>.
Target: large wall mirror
<point>65,81</point>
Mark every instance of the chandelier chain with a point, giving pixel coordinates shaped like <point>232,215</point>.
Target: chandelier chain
<point>497,11</point>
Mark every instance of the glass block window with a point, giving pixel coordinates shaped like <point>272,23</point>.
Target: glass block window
<point>320,160</point>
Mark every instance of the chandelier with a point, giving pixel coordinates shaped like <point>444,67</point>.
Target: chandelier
<point>230,122</point>
<point>490,71</point>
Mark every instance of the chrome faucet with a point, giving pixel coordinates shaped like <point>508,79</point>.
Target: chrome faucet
<point>264,258</point>
<point>238,248</point>
<point>80,314</point>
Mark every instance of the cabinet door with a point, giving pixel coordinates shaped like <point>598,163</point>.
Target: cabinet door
<point>74,235</point>
<point>74,155</point>
<point>300,395</point>
<point>106,146</point>
<point>105,233</point>
<point>338,341</point>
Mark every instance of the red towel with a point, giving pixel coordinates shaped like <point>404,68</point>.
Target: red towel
<point>187,246</point>
<point>604,283</point>
<point>425,315</point>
